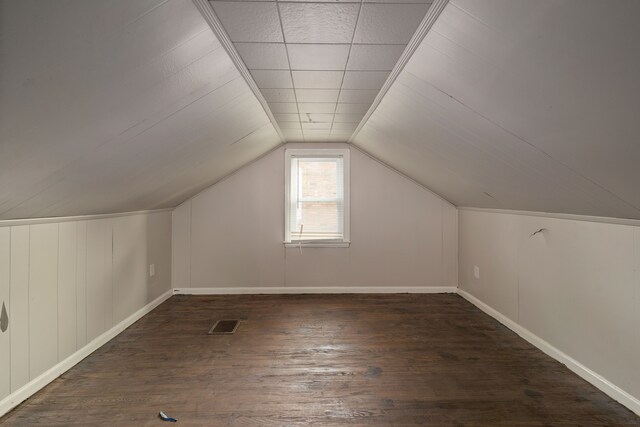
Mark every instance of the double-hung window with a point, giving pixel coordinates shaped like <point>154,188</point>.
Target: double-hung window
<point>317,197</point>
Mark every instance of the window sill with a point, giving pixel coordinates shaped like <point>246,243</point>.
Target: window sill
<point>317,244</point>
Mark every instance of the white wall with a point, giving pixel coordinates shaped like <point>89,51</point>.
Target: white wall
<point>64,283</point>
<point>576,285</point>
<point>231,234</point>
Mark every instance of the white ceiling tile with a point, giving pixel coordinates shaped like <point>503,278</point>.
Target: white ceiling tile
<point>348,118</point>
<point>364,79</point>
<point>316,118</point>
<point>289,126</point>
<point>283,107</point>
<point>317,95</point>
<point>249,21</point>
<point>374,57</point>
<point>388,23</point>
<point>316,135</point>
<point>272,79</point>
<point>317,107</point>
<point>352,108</point>
<point>318,22</point>
<point>317,79</point>
<point>345,126</point>
<point>318,56</point>
<point>271,56</point>
<point>316,126</point>
<point>278,95</point>
<point>280,118</point>
<point>357,96</point>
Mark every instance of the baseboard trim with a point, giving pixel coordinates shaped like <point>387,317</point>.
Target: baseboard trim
<point>578,368</point>
<point>33,386</point>
<point>316,290</point>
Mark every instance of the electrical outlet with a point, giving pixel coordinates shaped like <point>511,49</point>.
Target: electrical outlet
<point>152,270</point>
<point>476,271</point>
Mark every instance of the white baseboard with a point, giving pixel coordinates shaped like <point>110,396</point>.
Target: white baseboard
<point>316,290</point>
<point>582,371</point>
<point>29,389</point>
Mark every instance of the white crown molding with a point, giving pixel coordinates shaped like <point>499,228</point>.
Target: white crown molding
<point>256,290</point>
<point>578,368</point>
<point>33,221</point>
<point>572,217</point>
<point>33,386</point>
<point>429,19</point>
<point>216,26</point>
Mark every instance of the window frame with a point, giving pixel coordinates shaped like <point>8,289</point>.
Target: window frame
<point>317,153</point>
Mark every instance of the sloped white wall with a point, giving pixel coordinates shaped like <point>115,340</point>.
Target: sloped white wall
<point>576,285</point>
<point>65,283</point>
<point>230,235</point>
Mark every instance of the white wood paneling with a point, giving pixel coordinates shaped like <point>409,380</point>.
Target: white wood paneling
<point>81,284</point>
<point>181,246</point>
<point>129,265</point>
<point>574,285</point>
<point>5,304</point>
<point>158,248</point>
<point>527,116</point>
<point>19,306</point>
<point>149,102</point>
<point>237,229</point>
<point>43,298</point>
<point>67,288</point>
<point>99,291</point>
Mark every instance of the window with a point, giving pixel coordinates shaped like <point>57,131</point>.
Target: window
<point>317,197</point>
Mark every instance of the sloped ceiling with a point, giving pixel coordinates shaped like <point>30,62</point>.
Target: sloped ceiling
<point>111,106</point>
<point>526,105</point>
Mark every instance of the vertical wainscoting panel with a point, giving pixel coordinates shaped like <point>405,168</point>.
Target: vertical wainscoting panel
<point>97,232</point>
<point>5,312</point>
<point>129,265</point>
<point>81,284</point>
<point>43,298</point>
<point>19,306</point>
<point>67,293</point>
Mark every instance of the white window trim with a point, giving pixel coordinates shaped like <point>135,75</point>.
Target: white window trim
<point>317,152</point>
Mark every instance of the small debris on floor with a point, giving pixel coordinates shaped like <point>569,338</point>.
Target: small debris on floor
<point>165,417</point>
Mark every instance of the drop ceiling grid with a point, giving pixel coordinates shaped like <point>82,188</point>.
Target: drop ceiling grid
<point>320,64</point>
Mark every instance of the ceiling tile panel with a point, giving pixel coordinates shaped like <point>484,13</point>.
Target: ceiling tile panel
<point>290,126</point>
<point>316,118</point>
<point>364,79</point>
<point>318,22</point>
<point>316,126</point>
<point>317,79</point>
<point>317,107</point>
<point>374,57</point>
<point>317,95</point>
<point>382,23</point>
<point>269,56</point>
<point>318,56</point>
<point>348,118</point>
<point>278,95</point>
<point>249,21</point>
<point>272,79</point>
<point>356,96</point>
<point>283,107</point>
<point>334,51</point>
<point>352,108</point>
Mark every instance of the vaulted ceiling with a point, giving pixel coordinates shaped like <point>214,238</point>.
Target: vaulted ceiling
<point>130,105</point>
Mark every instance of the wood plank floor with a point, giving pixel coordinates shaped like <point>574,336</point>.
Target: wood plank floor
<point>320,360</point>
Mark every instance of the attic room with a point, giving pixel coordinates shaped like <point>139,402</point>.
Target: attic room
<point>359,212</point>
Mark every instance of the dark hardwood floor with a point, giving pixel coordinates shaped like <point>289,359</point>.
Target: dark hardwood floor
<point>431,360</point>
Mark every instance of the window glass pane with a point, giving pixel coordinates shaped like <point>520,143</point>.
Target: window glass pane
<point>317,198</point>
<point>318,179</point>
